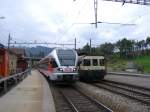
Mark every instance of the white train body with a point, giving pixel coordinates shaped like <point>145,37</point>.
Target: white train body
<point>92,68</point>
<point>60,65</point>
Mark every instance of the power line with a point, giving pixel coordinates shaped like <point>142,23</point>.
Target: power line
<point>139,2</point>
<point>72,24</point>
<point>39,43</point>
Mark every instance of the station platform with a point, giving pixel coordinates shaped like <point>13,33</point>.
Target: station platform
<point>31,95</point>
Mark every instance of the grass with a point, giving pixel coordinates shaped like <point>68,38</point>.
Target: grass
<point>117,63</point>
<point>143,61</point>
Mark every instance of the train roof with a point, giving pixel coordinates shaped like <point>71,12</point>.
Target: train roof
<point>57,50</point>
<point>91,57</point>
<point>1,45</point>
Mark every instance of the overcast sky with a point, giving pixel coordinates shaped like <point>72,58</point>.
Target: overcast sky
<point>57,21</point>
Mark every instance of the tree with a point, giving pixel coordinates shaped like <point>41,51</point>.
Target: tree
<point>148,41</point>
<point>148,45</point>
<point>142,42</point>
<point>125,47</point>
<point>86,48</point>
<point>107,49</point>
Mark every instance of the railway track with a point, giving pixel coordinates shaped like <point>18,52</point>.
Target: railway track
<point>130,74</point>
<point>133,92</point>
<point>69,99</point>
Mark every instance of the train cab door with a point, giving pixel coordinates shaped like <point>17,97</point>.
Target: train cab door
<point>50,69</point>
<point>52,65</point>
<point>1,61</point>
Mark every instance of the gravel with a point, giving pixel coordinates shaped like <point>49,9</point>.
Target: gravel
<point>114,101</point>
<point>138,81</point>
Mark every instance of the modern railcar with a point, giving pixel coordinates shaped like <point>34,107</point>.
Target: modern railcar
<point>92,68</point>
<point>60,65</point>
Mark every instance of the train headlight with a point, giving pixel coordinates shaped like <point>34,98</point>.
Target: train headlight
<point>60,69</point>
<point>74,69</point>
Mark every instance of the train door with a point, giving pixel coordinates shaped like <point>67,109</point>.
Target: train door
<point>49,66</point>
<point>4,63</point>
<point>1,61</point>
<point>52,65</point>
<point>95,64</point>
<point>102,64</point>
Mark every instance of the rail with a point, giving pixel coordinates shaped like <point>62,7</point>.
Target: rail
<point>80,101</point>
<point>16,77</point>
<point>70,102</point>
<point>132,92</point>
<point>69,98</point>
<point>129,74</point>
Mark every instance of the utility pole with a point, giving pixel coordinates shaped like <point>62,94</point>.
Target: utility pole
<point>90,46</point>
<point>9,39</point>
<point>75,43</point>
<point>95,9</point>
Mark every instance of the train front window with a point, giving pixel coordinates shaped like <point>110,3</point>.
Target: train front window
<point>67,62</point>
<point>66,57</point>
<point>95,62</point>
<point>86,62</point>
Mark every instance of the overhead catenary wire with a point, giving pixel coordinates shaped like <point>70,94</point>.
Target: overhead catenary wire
<point>73,23</point>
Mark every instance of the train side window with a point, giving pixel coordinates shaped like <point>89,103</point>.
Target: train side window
<point>44,65</point>
<point>54,64</point>
<point>101,62</point>
<point>86,62</point>
<point>95,62</point>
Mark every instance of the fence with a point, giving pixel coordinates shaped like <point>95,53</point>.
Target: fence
<point>13,79</point>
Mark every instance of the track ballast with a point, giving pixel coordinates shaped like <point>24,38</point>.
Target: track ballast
<point>133,92</point>
<point>69,99</point>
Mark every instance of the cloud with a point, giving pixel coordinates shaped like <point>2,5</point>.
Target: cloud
<point>57,21</point>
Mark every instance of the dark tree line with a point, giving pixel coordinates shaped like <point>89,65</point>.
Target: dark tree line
<point>123,48</point>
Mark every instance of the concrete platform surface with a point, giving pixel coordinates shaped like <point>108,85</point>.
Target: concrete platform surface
<point>31,95</point>
<point>138,81</point>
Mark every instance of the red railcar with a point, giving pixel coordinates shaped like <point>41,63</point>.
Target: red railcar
<point>4,62</point>
<point>22,64</point>
<point>10,62</point>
